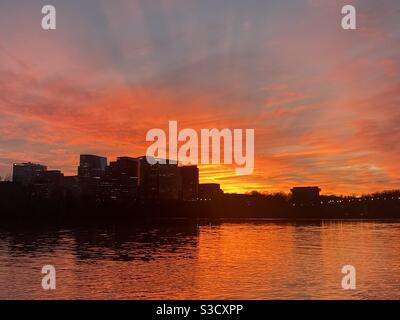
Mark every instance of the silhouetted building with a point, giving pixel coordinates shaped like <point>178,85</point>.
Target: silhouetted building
<point>70,185</point>
<point>190,182</point>
<point>159,181</point>
<point>91,166</point>
<point>121,179</point>
<point>25,173</point>
<point>90,172</point>
<point>169,180</point>
<point>12,197</point>
<point>210,191</point>
<point>305,195</point>
<point>48,184</point>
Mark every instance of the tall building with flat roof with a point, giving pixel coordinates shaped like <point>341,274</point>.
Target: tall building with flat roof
<point>26,173</point>
<point>160,180</point>
<point>121,179</point>
<point>91,166</point>
<point>90,172</point>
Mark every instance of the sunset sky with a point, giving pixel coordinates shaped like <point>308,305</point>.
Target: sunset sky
<point>324,102</point>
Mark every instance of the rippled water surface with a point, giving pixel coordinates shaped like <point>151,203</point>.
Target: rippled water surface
<point>176,260</point>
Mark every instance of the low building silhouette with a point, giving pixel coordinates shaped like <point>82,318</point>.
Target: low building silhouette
<point>305,195</point>
<point>26,173</point>
<point>210,191</point>
<point>48,184</point>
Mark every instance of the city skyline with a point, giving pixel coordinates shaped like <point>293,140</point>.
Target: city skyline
<point>26,173</point>
<point>327,115</point>
<point>110,163</point>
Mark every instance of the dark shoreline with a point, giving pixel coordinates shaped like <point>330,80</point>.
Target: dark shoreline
<point>76,213</point>
<point>19,203</point>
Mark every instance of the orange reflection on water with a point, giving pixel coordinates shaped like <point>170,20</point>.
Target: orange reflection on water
<point>242,260</point>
